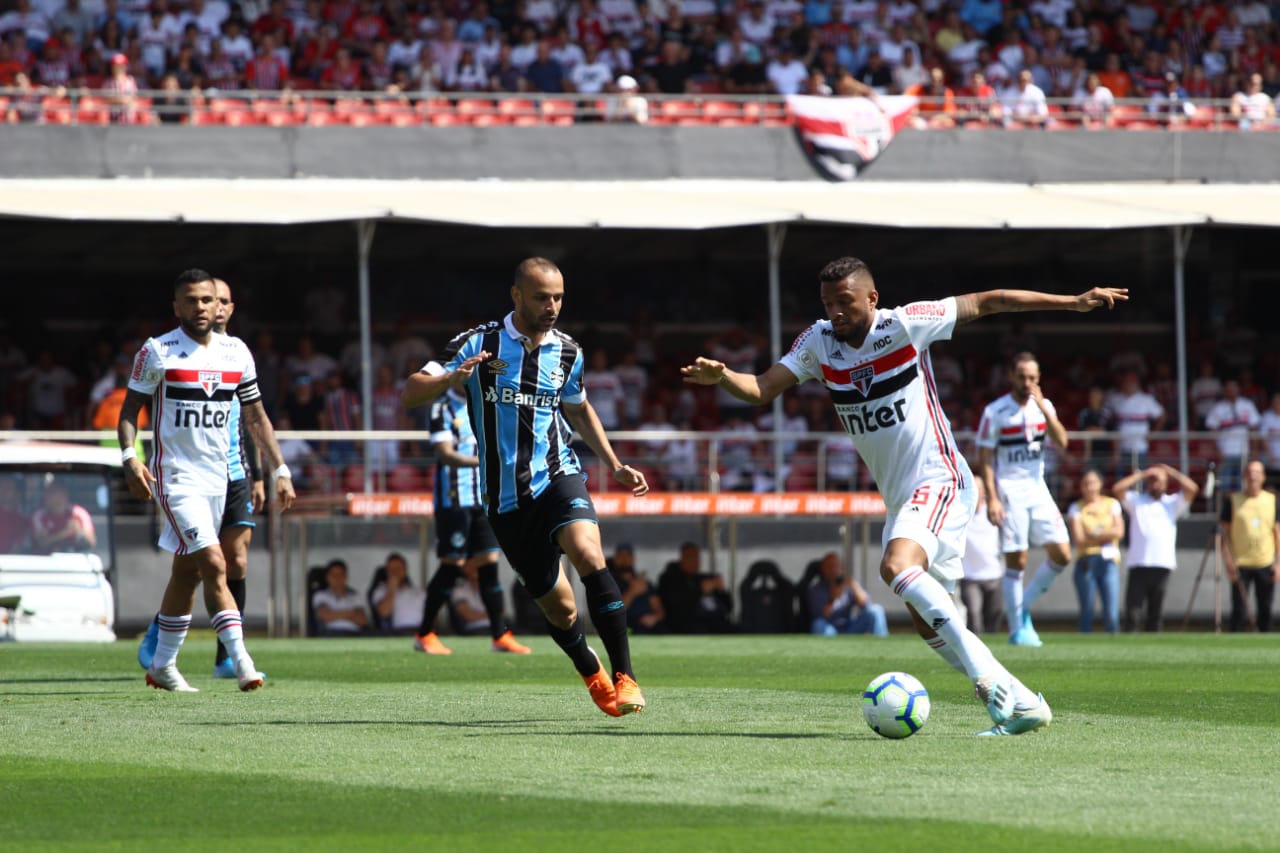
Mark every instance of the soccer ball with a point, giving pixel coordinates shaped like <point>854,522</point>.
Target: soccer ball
<point>895,704</point>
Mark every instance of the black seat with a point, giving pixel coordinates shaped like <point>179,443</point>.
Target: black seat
<point>315,583</point>
<point>767,600</point>
<point>812,574</point>
<point>377,623</point>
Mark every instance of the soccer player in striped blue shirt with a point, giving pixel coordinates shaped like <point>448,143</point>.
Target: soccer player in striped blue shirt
<point>523,381</point>
<point>463,533</point>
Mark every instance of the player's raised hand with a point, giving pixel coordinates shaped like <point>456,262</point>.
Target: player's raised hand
<point>633,480</point>
<point>468,367</point>
<point>1099,296</point>
<point>138,479</point>
<point>703,371</point>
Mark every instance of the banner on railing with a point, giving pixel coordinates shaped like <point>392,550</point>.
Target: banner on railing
<point>663,503</point>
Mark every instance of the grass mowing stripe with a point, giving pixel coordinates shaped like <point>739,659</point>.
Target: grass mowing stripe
<point>749,743</point>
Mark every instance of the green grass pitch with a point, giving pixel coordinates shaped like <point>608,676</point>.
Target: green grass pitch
<point>1166,742</point>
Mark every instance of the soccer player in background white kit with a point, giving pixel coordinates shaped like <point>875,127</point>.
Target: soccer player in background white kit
<point>875,362</point>
<point>190,376</point>
<point>1011,436</point>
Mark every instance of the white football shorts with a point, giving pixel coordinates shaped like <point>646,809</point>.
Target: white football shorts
<point>191,521</point>
<point>1031,519</point>
<point>936,519</point>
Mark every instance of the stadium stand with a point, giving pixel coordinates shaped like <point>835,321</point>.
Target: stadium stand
<point>725,70</point>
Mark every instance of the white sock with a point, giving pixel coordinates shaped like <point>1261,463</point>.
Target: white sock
<point>916,587</point>
<point>231,633</point>
<point>1022,697</point>
<point>1013,599</point>
<point>173,630</point>
<point>1044,577</point>
<point>943,648</point>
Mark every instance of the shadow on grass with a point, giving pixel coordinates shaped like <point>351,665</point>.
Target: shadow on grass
<point>103,680</point>
<point>489,725</point>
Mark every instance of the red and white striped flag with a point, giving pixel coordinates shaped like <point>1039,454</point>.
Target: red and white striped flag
<point>842,135</point>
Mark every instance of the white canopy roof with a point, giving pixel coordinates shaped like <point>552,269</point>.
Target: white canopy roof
<point>643,204</point>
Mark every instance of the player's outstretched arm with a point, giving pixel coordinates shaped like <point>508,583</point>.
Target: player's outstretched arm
<point>255,419</point>
<point>584,420</point>
<point>431,381</point>
<point>756,390</point>
<point>971,306</point>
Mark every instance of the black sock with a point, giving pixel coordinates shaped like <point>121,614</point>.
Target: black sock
<point>574,643</point>
<point>491,594</point>
<point>609,615</point>
<point>438,590</point>
<point>237,587</point>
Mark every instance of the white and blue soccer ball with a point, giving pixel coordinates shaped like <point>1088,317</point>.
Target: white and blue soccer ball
<point>895,704</point>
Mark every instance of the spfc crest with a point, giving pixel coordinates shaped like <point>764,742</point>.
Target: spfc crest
<point>862,379</point>
<point>210,380</point>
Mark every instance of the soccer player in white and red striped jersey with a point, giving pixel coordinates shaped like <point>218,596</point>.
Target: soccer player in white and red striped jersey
<point>190,376</point>
<point>875,362</point>
<point>1011,436</point>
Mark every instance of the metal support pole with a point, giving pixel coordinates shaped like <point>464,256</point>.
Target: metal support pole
<point>1181,241</point>
<point>364,240</point>
<point>777,233</point>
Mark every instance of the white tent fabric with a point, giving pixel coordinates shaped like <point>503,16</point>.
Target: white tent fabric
<point>644,204</point>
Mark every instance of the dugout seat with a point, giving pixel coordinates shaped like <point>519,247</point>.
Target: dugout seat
<point>768,600</point>
<point>315,582</point>
<point>812,574</point>
<point>376,622</point>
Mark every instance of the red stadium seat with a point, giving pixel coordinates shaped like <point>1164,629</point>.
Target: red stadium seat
<point>92,111</point>
<point>56,110</point>
<point>405,478</point>
<point>722,112</point>
<point>203,118</point>
<point>353,478</point>
<point>448,120</point>
<point>558,112</point>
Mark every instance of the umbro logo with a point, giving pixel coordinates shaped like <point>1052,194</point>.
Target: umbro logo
<point>939,622</point>
<point>496,365</point>
<point>579,503</point>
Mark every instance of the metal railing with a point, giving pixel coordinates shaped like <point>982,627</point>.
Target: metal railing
<point>249,107</point>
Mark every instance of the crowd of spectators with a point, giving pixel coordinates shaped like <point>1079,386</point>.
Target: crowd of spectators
<point>634,384</point>
<point>1007,57</point>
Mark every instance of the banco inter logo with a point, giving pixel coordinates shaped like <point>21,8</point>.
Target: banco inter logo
<point>869,418</point>
<point>203,416</point>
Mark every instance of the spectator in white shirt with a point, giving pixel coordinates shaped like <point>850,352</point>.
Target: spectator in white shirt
<point>786,73</point>
<point>1025,102</point>
<point>635,381</point>
<point>1232,418</point>
<point>1153,536</point>
<point>603,389</point>
<point>1252,106</point>
<point>1136,412</point>
<point>1094,102</point>
<point>235,44</point>
<point>592,74</point>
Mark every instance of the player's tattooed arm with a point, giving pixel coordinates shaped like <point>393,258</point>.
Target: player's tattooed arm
<point>971,306</point>
<point>259,426</point>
